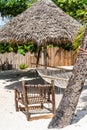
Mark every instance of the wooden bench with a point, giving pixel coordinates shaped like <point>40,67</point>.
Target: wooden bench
<point>32,97</point>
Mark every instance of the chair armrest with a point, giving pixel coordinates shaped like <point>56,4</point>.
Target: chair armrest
<point>19,90</point>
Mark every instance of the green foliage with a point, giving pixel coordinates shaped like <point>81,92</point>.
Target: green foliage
<point>78,38</point>
<point>5,47</point>
<point>66,46</point>
<point>17,48</point>
<point>14,7</point>
<point>22,66</point>
<point>75,8</point>
<point>30,47</point>
<point>22,49</point>
<point>50,45</point>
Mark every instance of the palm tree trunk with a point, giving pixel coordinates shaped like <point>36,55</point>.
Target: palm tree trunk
<point>65,112</point>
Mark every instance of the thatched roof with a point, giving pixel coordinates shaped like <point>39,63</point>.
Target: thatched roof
<point>42,23</point>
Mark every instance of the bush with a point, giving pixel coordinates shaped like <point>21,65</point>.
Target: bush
<point>22,66</point>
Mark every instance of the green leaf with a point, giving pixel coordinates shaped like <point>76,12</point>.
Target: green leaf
<point>21,51</point>
<point>27,47</point>
<point>78,38</point>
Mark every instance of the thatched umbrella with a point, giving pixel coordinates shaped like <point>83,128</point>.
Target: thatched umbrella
<point>42,23</point>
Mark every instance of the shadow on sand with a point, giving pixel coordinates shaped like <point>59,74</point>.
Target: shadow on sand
<point>32,77</point>
<point>14,78</point>
<point>81,109</point>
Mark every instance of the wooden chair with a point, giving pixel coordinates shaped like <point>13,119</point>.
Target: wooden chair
<point>32,97</point>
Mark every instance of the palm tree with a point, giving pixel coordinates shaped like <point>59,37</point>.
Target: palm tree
<point>65,112</point>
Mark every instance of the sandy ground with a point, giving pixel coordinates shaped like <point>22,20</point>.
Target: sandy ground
<point>12,120</point>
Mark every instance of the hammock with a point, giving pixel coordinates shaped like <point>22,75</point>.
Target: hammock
<point>60,76</point>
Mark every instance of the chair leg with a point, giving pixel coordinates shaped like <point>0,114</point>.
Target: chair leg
<point>27,113</point>
<point>41,105</point>
<point>53,97</point>
<point>53,102</point>
<point>16,100</point>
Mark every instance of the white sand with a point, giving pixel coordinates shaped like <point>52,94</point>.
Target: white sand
<point>12,120</point>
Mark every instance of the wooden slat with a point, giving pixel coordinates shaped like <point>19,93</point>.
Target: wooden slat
<point>41,117</point>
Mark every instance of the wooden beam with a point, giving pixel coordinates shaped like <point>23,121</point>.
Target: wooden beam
<point>38,57</point>
<point>50,66</point>
<point>41,117</point>
<point>45,56</point>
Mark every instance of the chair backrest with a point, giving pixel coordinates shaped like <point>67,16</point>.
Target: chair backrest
<point>34,94</point>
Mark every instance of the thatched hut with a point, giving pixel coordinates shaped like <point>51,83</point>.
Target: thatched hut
<point>42,23</point>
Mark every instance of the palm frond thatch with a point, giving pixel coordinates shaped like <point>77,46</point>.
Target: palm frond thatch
<point>42,23</point>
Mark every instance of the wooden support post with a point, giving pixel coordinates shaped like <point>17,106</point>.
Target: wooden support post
<point>45,56</point>
<point>38,57</point>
